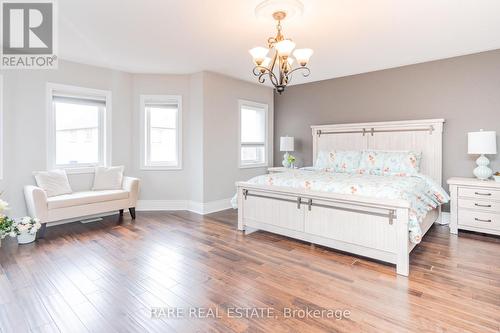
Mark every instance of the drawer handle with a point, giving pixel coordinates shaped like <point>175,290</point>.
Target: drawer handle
<point>479,193</point>
<point>480,220</point>
<point>479,205</point>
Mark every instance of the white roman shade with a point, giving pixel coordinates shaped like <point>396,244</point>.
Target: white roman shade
<point>62,97</point>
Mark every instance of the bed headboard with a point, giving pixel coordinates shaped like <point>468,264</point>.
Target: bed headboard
<point>424,136</point>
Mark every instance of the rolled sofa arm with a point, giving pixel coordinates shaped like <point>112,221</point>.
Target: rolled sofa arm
<point>36,202</point>
<point>131,185</point>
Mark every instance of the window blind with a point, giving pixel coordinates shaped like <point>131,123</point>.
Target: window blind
<point>86,100</point>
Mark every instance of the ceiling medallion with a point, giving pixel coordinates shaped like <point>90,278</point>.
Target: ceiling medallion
<point>275,62</point>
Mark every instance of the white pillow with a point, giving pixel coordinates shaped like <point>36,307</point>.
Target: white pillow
<point>108,178</point>
<point>53,182</point>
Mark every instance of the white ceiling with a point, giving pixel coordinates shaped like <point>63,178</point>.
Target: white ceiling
<point>348,36</point>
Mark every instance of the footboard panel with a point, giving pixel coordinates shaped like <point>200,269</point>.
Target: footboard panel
<point>360,227</point>
<point>279,211</point>
<point>372,229</point>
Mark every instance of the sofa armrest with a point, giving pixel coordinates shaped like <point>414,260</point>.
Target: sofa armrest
<point>36,202</point>
<point>131,185</point>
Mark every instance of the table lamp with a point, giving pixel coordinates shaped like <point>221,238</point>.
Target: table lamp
<point>286,145</point>
<point>481,143</point>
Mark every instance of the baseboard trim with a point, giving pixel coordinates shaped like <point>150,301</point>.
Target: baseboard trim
<point>201,208</point>
<point>158,205</point>
<point>209,207</point>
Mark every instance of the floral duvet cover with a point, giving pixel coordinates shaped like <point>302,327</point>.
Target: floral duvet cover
<point>421,192</point>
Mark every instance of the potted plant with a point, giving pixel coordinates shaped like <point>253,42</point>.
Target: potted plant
<point>25,229</point>
<point>496,176</point>
<point>5,222</point>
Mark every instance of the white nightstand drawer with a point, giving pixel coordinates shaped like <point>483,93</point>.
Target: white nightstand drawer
<point>475,205</point>
<point>479,219</point>
<point>490,206</point>
<point>479,193</point>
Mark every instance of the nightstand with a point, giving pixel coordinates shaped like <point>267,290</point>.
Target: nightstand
<point>475,205</point>
<point>279,169</point>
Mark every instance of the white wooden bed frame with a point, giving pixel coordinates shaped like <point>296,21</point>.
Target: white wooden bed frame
<point>371,227</point>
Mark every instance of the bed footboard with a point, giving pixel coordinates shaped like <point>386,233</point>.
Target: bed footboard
<point>363,226</point>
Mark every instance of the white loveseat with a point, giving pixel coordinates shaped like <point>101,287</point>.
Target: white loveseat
<point>81,203</point>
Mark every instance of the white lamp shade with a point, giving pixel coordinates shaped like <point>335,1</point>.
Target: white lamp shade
<point>286,143</point>
<point>258,53</point>
<point>483,142</point>
<point>303,56</point>
<point>285,47</point>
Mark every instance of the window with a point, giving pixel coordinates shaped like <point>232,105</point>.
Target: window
<point>79,127</point>
<point>253,134</point>
<point>161,132</point>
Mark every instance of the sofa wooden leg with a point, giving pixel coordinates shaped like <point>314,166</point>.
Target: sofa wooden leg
<point>132,212</point>
<point>41,232</point>
<point>121,212</point>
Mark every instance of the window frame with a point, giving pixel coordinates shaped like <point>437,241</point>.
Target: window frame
<point>144,132</point>
<point>255,105</point>
<point>105,136</point>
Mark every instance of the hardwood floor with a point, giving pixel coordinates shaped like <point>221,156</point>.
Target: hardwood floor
<point>107,276</point>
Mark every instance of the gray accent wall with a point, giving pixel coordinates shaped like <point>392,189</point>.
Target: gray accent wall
<point>465,91</point>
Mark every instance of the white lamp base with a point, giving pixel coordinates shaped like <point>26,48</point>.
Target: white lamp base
<point>285,162</point>
<point>482,171</point>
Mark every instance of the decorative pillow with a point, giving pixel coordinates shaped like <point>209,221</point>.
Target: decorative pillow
<point>345,160</point>
<point>53,182</point>
<point>323,161</point>
<point>390,162</point>
<point>338,160</point>
<point>108,178</point>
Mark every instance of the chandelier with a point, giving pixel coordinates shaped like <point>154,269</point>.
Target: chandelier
<point>275,62</point>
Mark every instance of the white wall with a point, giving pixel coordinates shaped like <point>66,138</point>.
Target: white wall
<point>210,137</point>
<point>210,130</point>
<point>221,130</point>
<point>25,121</point>
<point>193,160</point>
<point>162,184</point>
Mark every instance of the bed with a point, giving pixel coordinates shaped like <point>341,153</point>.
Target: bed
<point>327,213</point>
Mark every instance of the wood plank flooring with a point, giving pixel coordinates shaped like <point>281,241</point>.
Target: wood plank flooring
<point>107,277</point>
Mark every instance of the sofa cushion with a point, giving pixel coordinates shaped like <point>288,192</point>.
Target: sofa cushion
<point>108,178</point>
<point>53,182</point>
<point>85,198</point>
